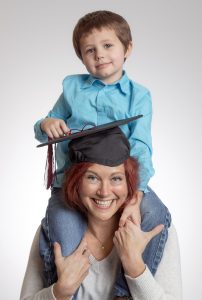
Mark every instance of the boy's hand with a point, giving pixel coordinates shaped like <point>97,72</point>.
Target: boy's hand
<point>132,210</point>
<point>54,128</point>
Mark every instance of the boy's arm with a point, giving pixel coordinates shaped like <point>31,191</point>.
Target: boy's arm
<point>61,112</point>
<point>141,141</point>
<point>141,148</point>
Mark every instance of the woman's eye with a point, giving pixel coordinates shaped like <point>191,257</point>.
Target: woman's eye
<point>117,179</point>
<point>108,45</point>
<point>92,178</point>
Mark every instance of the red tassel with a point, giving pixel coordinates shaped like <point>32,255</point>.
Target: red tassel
<point>49,170</point>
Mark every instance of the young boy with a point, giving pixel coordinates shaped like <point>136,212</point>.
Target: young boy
<point>103,41</point>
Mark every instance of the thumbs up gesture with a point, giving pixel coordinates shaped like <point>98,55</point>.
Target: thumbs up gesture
<point>71,270</point>
<point>130,242</point>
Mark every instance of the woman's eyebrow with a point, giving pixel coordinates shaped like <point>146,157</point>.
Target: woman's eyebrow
<point>118,173</point>
<point>112,174</point>
<point>89,171</point>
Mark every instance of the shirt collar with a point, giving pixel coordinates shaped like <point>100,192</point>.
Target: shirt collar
<point>122,83</point>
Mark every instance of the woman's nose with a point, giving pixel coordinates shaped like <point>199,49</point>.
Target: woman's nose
<point>103,190</point>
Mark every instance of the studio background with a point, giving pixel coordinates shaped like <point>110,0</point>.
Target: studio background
<point>37,53</point>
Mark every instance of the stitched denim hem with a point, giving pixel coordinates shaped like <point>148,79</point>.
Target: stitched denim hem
<point>162,241</point>
<point>46,252</point>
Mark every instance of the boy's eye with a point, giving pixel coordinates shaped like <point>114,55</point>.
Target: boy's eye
<point>108,45</point>
<point>90,50</point>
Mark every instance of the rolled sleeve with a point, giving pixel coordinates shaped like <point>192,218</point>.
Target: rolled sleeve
<point>39,134</point>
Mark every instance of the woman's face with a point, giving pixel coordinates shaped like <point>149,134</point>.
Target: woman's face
<point>103,190</point>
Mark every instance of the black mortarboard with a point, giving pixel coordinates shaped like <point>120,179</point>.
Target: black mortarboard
<point>109,147</point>
<point>104,144</point>
<point>87,132</point>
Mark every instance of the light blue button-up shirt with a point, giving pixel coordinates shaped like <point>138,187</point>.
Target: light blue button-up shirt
<point>87,100</point>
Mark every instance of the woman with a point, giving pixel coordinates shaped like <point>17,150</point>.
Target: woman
<point>99,190</point>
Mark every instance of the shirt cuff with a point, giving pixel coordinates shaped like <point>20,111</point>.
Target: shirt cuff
<point>144,286</point>
<point>53,296</point>
<point>39,134</point>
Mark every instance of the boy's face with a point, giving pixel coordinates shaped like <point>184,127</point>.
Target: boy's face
<point>103,54</point>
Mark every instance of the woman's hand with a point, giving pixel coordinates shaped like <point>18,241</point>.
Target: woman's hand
<point>130,242</point>
<point>71,270</point>
<point>54,128</point>
<point>132,210</point>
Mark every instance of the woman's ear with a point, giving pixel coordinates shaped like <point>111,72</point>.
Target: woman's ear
<point>129,50</point>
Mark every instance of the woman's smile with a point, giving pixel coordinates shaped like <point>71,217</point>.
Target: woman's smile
<point>102,203</point>
<point>103,190</point>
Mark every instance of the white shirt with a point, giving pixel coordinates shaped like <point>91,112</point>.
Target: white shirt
<point>165,285</point>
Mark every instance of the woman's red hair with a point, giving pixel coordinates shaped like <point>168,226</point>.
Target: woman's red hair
<point>74,175</point>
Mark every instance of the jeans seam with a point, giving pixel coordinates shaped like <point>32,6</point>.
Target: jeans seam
<point>162,241</point>
<point>49,260</point>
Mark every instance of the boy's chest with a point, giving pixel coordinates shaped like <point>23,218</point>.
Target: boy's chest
<point>103,102</point>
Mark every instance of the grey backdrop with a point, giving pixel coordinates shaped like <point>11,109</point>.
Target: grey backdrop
<point>36,54</point>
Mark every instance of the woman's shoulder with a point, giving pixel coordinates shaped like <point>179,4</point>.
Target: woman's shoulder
<point>172,237</point>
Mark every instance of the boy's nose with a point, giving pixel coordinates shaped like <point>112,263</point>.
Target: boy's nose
<point>99,55</point>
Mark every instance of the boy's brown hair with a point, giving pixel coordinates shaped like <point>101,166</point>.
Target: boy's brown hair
<point>97,20</point>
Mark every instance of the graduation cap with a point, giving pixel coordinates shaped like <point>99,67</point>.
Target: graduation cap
<point>104,144</point>
<point>87,132</point>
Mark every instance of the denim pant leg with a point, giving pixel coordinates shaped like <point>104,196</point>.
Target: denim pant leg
<point>153,213</point>
<point>61,225</point>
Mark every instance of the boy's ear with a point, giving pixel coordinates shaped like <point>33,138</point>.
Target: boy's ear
<point>129,50</point>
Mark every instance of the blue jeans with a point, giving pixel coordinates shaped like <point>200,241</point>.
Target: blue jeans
<point>67,227</point>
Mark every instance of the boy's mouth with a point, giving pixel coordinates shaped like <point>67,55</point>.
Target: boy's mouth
<point>102,65</point>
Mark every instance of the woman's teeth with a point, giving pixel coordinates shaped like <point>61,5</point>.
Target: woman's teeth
<point>103,203</point>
